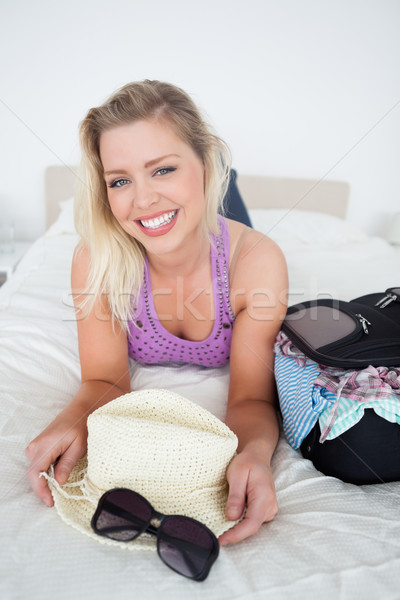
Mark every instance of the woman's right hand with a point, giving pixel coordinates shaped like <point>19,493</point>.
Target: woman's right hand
<point>64,441</point>
<point>103,353</point>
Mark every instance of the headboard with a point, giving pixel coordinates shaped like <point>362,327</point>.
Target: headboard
<point>330,197</point>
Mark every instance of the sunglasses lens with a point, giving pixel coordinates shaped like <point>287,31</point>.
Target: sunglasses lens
<point>122,515</point>
<point>187,546</point>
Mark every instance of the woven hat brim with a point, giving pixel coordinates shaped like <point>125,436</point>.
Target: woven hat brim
<point>77,511</point>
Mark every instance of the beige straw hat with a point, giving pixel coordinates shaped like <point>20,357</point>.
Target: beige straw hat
<point>159,444</point>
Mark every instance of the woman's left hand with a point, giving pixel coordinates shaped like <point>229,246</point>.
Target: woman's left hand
<point>251,485</point>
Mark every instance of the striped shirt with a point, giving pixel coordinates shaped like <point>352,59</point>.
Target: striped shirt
<point>309,392</point>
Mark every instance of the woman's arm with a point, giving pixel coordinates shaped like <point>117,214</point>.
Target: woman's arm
<point>260,286</point>
<point>103,355</point>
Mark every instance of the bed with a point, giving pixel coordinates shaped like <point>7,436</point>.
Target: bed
<point>329,540</point>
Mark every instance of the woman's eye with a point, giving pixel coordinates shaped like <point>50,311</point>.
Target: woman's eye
<point>118,183</point>
<point>164,171</point>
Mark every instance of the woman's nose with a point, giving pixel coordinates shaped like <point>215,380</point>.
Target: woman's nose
<point>144,195</point>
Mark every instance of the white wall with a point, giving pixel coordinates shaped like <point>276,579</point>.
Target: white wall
<point>305,88</point>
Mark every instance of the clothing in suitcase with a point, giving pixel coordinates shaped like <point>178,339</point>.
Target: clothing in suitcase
<point>337,368</point>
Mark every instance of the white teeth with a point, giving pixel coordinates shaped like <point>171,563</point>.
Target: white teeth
<point>161,220</point>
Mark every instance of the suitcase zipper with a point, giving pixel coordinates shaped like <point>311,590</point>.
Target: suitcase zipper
<point>364,322</point>
<point>386,300</point>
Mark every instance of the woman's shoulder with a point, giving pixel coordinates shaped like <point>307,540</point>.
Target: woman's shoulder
<point>252,249</point>
<point>257,268</point>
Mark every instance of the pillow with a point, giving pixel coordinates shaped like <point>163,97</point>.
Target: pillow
<point>65,220</point>
<point>307,227</point>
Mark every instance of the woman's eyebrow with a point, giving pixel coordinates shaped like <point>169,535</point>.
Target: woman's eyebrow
<point>149,163</point>
<point>115,172</point>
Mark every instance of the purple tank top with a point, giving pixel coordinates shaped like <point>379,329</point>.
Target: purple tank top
<point>150,343</point>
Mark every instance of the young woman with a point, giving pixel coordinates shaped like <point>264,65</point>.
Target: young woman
<point>160,276</point>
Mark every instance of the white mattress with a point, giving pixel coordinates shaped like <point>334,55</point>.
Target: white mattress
<point>329,539</point>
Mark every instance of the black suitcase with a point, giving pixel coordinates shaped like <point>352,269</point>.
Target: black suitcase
<point>348,335</point>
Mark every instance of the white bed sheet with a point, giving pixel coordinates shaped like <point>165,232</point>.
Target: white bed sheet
<point>329,540</point>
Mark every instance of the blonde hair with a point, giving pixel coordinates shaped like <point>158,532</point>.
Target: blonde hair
<point>117,259</point>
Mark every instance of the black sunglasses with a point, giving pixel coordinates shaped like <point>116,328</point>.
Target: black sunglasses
<point>183,544</point>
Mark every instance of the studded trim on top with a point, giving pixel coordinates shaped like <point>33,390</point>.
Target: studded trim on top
<point>150,343</point>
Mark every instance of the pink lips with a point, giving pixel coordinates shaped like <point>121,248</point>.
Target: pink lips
<point>162,229</point>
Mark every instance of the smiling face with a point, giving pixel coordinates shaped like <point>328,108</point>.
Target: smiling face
<point>155,184</point>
